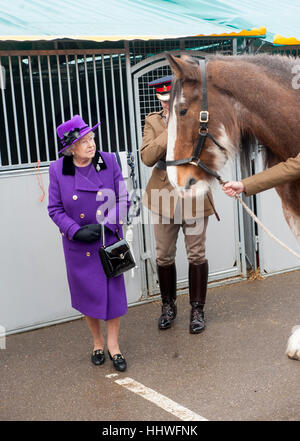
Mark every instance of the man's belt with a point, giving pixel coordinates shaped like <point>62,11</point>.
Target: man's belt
<point>161,165</point>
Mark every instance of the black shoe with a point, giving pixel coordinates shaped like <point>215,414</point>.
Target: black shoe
<point>119,362</point>
<point>197,323</point>
<point>98,357</point>
<point>169,312</point>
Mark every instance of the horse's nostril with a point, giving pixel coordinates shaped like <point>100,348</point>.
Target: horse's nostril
<point>189,183</point>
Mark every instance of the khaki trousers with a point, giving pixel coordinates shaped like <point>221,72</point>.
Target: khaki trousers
<point>166,234</point>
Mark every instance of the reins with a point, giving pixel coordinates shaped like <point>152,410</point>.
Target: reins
<point>195,158</point>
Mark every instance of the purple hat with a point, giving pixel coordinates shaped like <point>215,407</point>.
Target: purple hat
<point>72,130</point>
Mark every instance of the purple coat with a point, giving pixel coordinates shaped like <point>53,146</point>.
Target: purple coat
<point>72,204</point>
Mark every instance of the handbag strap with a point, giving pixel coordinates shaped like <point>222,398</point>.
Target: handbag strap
<point>103,235</point>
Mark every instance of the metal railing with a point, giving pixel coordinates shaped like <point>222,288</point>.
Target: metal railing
<point>45,88</point>
<point>40,89</point>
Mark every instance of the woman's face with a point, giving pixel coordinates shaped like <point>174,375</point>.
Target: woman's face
<point>85,147</point>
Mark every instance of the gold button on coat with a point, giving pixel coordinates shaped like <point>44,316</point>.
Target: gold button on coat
<point>88,254</point>
<point>82,215</point>
<point>75,197</point>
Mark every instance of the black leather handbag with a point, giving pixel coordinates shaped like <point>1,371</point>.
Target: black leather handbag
<point>116,258</point>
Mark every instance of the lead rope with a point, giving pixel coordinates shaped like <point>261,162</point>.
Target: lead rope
<point>266,230</point>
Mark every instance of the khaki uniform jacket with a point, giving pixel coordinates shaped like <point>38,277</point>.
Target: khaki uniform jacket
<point>276,175</point>
<point>154,148</point>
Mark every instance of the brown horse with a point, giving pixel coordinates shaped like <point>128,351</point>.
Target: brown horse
<point>248,96</point>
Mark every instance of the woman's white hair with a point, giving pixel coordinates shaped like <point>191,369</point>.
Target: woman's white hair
<point>68,151</point>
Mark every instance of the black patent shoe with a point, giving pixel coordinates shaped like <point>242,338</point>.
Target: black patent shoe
<point>169,312</point>
<point>98,357</point>
<point>197,323</point>
<point>119,362</point>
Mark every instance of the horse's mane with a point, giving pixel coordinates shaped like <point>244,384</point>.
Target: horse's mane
<point>278,67</point>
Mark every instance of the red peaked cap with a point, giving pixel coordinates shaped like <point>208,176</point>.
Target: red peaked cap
<point>162,86</point>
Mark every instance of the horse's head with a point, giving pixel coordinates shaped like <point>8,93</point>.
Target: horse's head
<point>184,126</point>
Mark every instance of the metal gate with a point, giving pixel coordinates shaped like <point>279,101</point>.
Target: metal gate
<point>43,89</point>
<point>225,252</point>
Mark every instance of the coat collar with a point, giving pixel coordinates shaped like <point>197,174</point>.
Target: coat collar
<point>69,168</point>
<point>91,182</point>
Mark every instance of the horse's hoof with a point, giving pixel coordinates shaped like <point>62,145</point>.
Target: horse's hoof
<point>293,346</point>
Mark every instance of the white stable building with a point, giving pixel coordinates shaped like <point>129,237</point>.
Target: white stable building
<point>46,79</point>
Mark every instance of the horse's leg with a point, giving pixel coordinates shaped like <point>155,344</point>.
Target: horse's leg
<point>293,346</point>
<point>290,199</point>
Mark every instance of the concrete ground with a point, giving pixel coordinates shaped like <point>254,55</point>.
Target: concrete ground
<point>236,370</point>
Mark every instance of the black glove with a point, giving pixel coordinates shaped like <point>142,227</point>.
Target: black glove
<point>88,233</point>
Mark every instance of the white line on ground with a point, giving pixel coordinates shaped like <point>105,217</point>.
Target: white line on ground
<point>160,400</point>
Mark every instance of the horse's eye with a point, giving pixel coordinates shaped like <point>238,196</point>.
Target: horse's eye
<point>182,112</point>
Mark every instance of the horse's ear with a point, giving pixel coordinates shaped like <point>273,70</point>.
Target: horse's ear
<point>176,64</point>
<point>187,68</point>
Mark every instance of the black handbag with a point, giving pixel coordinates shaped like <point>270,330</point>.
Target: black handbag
<point>116,258</point>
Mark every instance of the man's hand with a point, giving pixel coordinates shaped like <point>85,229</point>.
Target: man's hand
<point>232,188</point>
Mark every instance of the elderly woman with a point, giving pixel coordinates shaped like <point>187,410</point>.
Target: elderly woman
<point>87,188</point>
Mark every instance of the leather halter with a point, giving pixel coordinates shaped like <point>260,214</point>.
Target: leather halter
<point>203,132</point>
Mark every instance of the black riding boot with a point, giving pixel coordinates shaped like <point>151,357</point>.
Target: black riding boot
<point>167,283</point>
<point>198,276</point>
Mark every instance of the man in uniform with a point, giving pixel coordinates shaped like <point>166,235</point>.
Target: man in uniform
<point>153,153</point>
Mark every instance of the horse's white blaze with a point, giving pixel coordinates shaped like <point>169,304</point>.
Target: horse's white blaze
<point>293,346</point>
<point>182,98</point>
<point>172,135</point>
